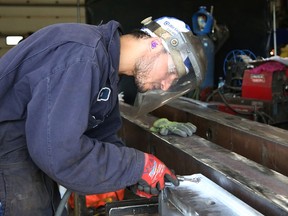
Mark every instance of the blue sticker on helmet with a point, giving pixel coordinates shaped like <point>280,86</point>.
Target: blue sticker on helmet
<point>104,94</point>
<point>187,63</point>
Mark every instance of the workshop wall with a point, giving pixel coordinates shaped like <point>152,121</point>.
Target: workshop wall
<point>249,22</point>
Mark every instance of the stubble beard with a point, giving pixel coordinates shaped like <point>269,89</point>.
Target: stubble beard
<point>143,66</point>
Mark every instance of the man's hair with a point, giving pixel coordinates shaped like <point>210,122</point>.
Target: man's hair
<point>139,34</point>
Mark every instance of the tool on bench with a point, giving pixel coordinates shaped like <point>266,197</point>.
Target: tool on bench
<point>190,179</point>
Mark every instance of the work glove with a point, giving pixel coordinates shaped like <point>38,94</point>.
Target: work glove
<point>165,127</point>
<point>121,97</point>
<point>153,179</point>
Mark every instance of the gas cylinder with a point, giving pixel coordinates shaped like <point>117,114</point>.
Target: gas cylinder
<point>202,21</point>
<point>202,24</point>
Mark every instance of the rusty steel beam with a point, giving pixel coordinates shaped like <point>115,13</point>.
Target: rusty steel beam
<point>264,144</point>
<point>258,186</point>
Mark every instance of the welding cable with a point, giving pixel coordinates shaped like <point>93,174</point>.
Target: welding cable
<point>196,94</point>
<point>227,104</point>
<point>233,80</point>
<point>211,95</point>
<point>263,115</point>
<point>63,203</point>
<point>269,117</point>
<point>259,113</point>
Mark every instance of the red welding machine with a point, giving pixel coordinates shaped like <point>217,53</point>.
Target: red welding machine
<point>263,96</point>
<point>265,82</point>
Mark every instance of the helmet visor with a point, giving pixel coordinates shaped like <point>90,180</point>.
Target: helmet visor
<point>186,58</point>
<point>153,99</point>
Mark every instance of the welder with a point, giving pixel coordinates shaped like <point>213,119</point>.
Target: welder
<point>59,113</point>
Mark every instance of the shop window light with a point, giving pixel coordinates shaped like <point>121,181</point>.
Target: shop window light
<point>13,40</point>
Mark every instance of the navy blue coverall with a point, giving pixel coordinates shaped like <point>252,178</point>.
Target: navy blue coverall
<point>59,118</point>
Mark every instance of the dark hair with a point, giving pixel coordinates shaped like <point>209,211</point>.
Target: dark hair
<point>139,34</point>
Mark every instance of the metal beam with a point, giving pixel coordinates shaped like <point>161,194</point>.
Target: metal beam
<point>258,186</point>
<point>264,144</point>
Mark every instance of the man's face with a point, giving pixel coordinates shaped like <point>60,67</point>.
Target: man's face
<point>154,71</point>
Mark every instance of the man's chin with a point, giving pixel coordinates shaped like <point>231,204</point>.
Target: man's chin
<point>142,90</point>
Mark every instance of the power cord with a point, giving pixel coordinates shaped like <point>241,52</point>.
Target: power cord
<point>63,203</point>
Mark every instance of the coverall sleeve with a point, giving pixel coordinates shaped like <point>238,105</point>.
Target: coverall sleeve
<point>108,129</point>
<point>57,117</point>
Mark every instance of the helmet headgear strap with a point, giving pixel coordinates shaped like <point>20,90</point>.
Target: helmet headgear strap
<point>170,43</point>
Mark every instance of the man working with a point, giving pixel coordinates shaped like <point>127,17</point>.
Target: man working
<point>59,113</point>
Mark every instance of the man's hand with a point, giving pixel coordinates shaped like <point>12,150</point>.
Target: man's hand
<point>153,179</point>
<point>165,127</point>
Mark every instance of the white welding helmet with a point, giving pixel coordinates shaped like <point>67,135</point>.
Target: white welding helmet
<point>188,57</point>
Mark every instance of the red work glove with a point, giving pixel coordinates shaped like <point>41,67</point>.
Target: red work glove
<point>153,179</point>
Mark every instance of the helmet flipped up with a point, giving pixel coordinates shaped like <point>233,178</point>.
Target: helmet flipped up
<point>188,57</point>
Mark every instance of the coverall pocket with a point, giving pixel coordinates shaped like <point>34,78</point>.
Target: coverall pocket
<point>23,192</point>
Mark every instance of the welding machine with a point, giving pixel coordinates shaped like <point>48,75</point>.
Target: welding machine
<point>265,85</point>
<point>268,83</point>
<point>262,96</point>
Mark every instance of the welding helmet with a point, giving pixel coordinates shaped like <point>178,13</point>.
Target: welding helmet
<point>188,57</point>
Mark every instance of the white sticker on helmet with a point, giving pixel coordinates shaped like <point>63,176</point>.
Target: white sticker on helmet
<point>172,25</point>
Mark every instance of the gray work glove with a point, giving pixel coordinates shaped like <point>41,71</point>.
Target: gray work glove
<point>165,127</point>
<point>121,97</point>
